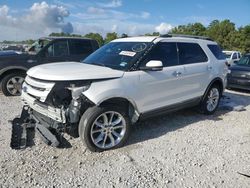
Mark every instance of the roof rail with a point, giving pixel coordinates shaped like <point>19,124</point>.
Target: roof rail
<point>187,36</point>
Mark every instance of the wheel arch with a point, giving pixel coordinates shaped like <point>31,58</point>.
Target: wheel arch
<point>125,103</point>
<point>216,81</point>
<point>12,70</point>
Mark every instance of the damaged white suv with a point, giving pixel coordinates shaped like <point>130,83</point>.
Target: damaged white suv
<point>123,82</point>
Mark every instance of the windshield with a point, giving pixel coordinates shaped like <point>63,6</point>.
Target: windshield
<point>38,45</point>
<point>244,61</point>
<point>228,55</point>
<point>118,55</point>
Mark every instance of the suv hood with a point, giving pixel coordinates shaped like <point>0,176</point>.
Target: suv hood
<point>9,53</point>
<point>12,55</point>
<point>239,68</point>
<point>66,71</point>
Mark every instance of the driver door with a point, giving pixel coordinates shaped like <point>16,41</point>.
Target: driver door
<point>160,89</point>
<point>57,51</point>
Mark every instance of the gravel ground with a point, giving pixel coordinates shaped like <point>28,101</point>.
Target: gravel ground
<point>183,149</point>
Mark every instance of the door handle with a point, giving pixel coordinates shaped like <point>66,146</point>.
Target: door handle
<point>31,61</point>
<point>177,73</point>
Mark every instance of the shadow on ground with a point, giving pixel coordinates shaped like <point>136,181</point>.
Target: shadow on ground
<point>158,126</point>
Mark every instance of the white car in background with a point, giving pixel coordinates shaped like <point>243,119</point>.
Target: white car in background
<point>232,56</point>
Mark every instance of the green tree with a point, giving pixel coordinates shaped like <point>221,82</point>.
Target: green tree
<point>152,34</point>
<point>62,34</point>
<point>190,29</point>
<point>222,32</point>
<point>29,41</point>
<point>97,37</point>
<point>245,38</point>
<point>58,34</point>
<point>110,37</point>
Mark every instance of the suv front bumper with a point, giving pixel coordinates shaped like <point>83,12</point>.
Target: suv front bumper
<point>56,114</point>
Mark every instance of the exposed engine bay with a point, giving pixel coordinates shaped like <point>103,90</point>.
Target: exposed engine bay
<point>57,113</point>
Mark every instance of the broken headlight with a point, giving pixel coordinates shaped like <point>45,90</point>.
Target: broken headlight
<point>63,92</point>
<point>76,91</point>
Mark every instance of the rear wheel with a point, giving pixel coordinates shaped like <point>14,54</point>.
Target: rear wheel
<point>104,128</point>
<point>211,100</point>
<point>12,84</point>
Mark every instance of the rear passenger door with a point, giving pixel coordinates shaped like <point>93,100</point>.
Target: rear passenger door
<point>197,69</point>
<point>80,49</point>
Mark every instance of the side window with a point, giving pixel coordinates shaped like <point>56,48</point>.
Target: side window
<point>238,55</point>
<point>61,48</point>
<point>165,52</point>
<point>191,53</point>
<point>216,50</point>
<point>80,47</point>
<point>234,56</point>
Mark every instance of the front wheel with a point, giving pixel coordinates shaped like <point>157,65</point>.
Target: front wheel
<point>104,128</point>
<point>211,100</point>
<point>12,84</point>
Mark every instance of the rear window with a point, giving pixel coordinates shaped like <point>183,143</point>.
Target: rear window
<point>80,47</point>
<point>191,53</point>
<point>216,50</point>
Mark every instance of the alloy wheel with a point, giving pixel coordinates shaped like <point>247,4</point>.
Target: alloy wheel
<point>14,85</point>
<point>213,99</point>
<point>108,130</point>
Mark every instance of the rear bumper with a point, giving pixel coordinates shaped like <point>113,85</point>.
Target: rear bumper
<point>44,109</point>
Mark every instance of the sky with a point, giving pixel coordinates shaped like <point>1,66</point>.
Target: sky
<point>25,19</point>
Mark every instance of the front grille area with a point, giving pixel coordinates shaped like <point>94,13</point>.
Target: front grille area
<point>240,74</point>
<point>38,98</point>
<point>38,89</point>
<point>35,93</point>
<point>239,81</point>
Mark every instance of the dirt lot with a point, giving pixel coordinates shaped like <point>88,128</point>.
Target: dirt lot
<point>183,149</point>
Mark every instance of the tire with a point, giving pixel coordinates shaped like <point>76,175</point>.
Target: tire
<point>207,106</point>
<point>9,88</point>
<point>97,135</point>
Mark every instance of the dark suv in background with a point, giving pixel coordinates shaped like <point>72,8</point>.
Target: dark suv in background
<point>13,65</point>
<point>239,76</point>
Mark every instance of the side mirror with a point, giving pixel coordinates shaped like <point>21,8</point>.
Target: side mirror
<point>153,65</point>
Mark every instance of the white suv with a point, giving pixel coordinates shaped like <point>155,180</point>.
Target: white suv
<point>125,81</point>
<point>232,56</point>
